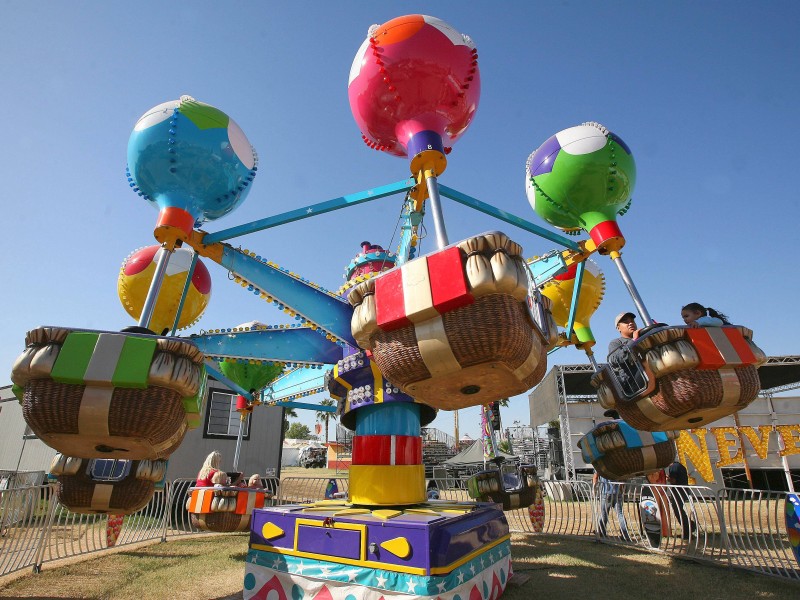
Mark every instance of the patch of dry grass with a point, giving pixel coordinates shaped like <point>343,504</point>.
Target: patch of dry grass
<point>201,567</point>
<point>545,566</point>
<point>572,568</point>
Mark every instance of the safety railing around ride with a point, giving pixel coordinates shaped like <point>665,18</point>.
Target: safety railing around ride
<point>745,529</point>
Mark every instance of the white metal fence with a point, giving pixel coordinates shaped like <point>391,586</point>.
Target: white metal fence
<point>739,528</point>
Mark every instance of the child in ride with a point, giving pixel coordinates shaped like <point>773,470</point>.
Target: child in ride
<point>697,315</point>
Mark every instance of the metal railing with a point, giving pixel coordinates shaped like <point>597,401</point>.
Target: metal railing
<point>744,529</point>
<point>301,490</point>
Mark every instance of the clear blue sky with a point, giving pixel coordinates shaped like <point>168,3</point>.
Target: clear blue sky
<point>704,93</point>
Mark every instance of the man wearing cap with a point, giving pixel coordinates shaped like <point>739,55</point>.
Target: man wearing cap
<point>629,377</point>
<point>625,322</point>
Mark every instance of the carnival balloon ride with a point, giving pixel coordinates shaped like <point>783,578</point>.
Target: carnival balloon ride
<point>671,377</point>
<point>407,334</point>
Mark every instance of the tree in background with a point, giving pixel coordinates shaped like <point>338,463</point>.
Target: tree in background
<point>288,412</point>
<point>324,416</point>
<point>298,431</point>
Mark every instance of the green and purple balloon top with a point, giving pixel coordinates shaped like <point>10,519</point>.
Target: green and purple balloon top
<point>581,179</point>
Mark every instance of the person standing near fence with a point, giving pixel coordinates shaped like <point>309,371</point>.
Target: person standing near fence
<point>678,475</point>
<point>610,496</point>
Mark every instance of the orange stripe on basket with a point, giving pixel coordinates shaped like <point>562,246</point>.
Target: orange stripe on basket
<point>740,344</point>
<point>201,501</point>
<point>241,502</point>
<point>710,357</point>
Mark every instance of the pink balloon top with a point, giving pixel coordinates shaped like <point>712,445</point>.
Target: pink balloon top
<point>412,74</point>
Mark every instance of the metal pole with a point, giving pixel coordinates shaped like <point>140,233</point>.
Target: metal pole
<point>781,445</point>
<point>436,212</point>
<point>455,426</point>
<point>744,452</point>
<point>155,288</point>
<point>637,299</point>
<point>186,286</point>
<point>592,361</point>
<point>242,417</point>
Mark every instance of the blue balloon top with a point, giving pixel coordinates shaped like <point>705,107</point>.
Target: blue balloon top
<point>192,156</point>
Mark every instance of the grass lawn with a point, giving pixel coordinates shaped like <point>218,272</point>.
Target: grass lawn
<point>545,567</point>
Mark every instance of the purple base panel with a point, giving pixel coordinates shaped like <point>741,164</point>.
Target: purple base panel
<point>435,540</point>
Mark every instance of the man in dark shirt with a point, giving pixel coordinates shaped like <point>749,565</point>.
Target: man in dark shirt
<point>631,378</point>
<point>677,475</point>
<point>625,323</point>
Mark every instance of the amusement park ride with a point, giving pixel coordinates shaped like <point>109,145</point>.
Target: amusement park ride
<point>465,325</point>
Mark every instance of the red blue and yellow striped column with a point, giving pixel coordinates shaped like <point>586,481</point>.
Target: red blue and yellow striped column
<point>387,464</point>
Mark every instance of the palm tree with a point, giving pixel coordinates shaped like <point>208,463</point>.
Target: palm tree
<point>288,412</point>
<point>323,416</point>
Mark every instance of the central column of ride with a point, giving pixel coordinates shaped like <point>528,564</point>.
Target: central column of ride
<point>414,88</point>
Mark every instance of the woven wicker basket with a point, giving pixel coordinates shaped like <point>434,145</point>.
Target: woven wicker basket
<point>490,339</point>
<point>100,418</point>
<point>80,494</point>
<point>454,329</point>
<point>622,464</point>
<point>487,486</point>
<point>682,391</point>
<point>690,398</point>
<point>142,424</point>
<point>220,522</point>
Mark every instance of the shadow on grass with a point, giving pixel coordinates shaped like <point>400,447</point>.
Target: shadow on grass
<point>559,567</point>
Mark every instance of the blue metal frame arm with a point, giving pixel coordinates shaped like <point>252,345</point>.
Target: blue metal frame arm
<point>310,211</point>
<point>547,267</point>
<point>505,216</point>
<point>297,382</point>
<point>213,369</point>
<point>576,292</point>
<point>315,305</point>
<point>295,345</point>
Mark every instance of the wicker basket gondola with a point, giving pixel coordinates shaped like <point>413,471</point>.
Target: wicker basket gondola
<point>682,377</point>
<point>483,343</point>
<point>618,452</point>
<point>488,486</point>
<point>221,522</point>
<point>81,492</point>
<point>84,400</point>
<point>225,509</point>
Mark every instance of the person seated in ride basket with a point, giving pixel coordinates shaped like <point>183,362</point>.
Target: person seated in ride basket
<point>625,323</point>
<point>697,315</point>
<point>619,355</point>
<point>255,482</point>
<point>210,466</point>
<point>219,479</point>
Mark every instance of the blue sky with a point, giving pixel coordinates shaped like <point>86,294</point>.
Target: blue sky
<point>704,93</point>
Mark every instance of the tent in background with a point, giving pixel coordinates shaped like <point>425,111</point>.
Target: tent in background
<point>473,456</point>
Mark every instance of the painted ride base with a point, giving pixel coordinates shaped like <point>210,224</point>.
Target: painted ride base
<point>331,550</point>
